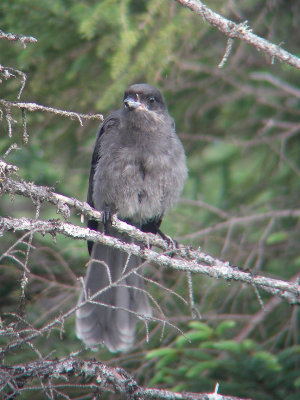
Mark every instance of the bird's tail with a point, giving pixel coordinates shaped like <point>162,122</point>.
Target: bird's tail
<point>104,319</point>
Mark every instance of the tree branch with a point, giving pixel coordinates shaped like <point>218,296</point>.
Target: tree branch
<point>23,39</point>
<point>44,193</point>
<point>8,72</point>
<point>104,377</point>
<point>187,259</point>
<point>216,269</point>
<point>240,31</point>
<point>247,219</point>
<point>38,107</point>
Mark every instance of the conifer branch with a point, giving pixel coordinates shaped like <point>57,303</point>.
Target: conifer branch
<point>183,259</point>
<point>14,37</point>
<point>38,107</point>
<point>240,31</point>
<point>217,269</point>
<point>94,375</point>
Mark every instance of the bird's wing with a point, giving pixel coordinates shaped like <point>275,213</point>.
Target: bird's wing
<point>110,123</point>
<point>152,225</point>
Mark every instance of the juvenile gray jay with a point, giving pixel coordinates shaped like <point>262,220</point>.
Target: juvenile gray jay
<point>138,171</point>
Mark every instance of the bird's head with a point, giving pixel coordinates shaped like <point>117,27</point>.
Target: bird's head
<point>144,97</point>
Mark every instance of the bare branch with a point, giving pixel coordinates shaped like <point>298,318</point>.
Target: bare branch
<point>209,207</point>
<point>44,193</point>
<point>240,31</point>
<point>8,72</point>
<point>103,378</point>
<point>7,168</point>
<point>38,107</point>
<point>242,220</point>
<point>273,80</point>
<point>227,53</point>
<point>23,39</point>
<point>261,315</point>
<point>215,269</point>
<point>188,259</point>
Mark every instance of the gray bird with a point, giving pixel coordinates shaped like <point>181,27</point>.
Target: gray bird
<point>138,171</point>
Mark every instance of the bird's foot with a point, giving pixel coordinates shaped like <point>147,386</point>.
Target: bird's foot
<point>171,243</point>
<point>107,218</point>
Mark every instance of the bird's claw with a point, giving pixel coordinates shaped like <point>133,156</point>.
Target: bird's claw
<point>107,218</point>
<point>171,243</point>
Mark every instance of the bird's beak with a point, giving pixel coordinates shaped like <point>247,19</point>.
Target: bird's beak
<point>132,104</point>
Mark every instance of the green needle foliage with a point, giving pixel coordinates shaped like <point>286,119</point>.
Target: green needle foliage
<point>213,356</point>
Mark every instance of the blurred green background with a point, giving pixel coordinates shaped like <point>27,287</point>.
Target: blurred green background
<point>240,128</point>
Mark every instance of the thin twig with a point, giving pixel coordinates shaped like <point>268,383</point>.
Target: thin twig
<point>242,220</point>
<point>273,80</point>
<point>227,53</point>
<point>7,72</point>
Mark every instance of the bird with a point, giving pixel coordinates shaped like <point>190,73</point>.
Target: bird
<point>138,171</point>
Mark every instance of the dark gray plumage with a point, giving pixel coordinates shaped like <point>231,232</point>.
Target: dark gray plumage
<point>138,171</point>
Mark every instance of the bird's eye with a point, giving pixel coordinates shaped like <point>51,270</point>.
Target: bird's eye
<point>152,99</point>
